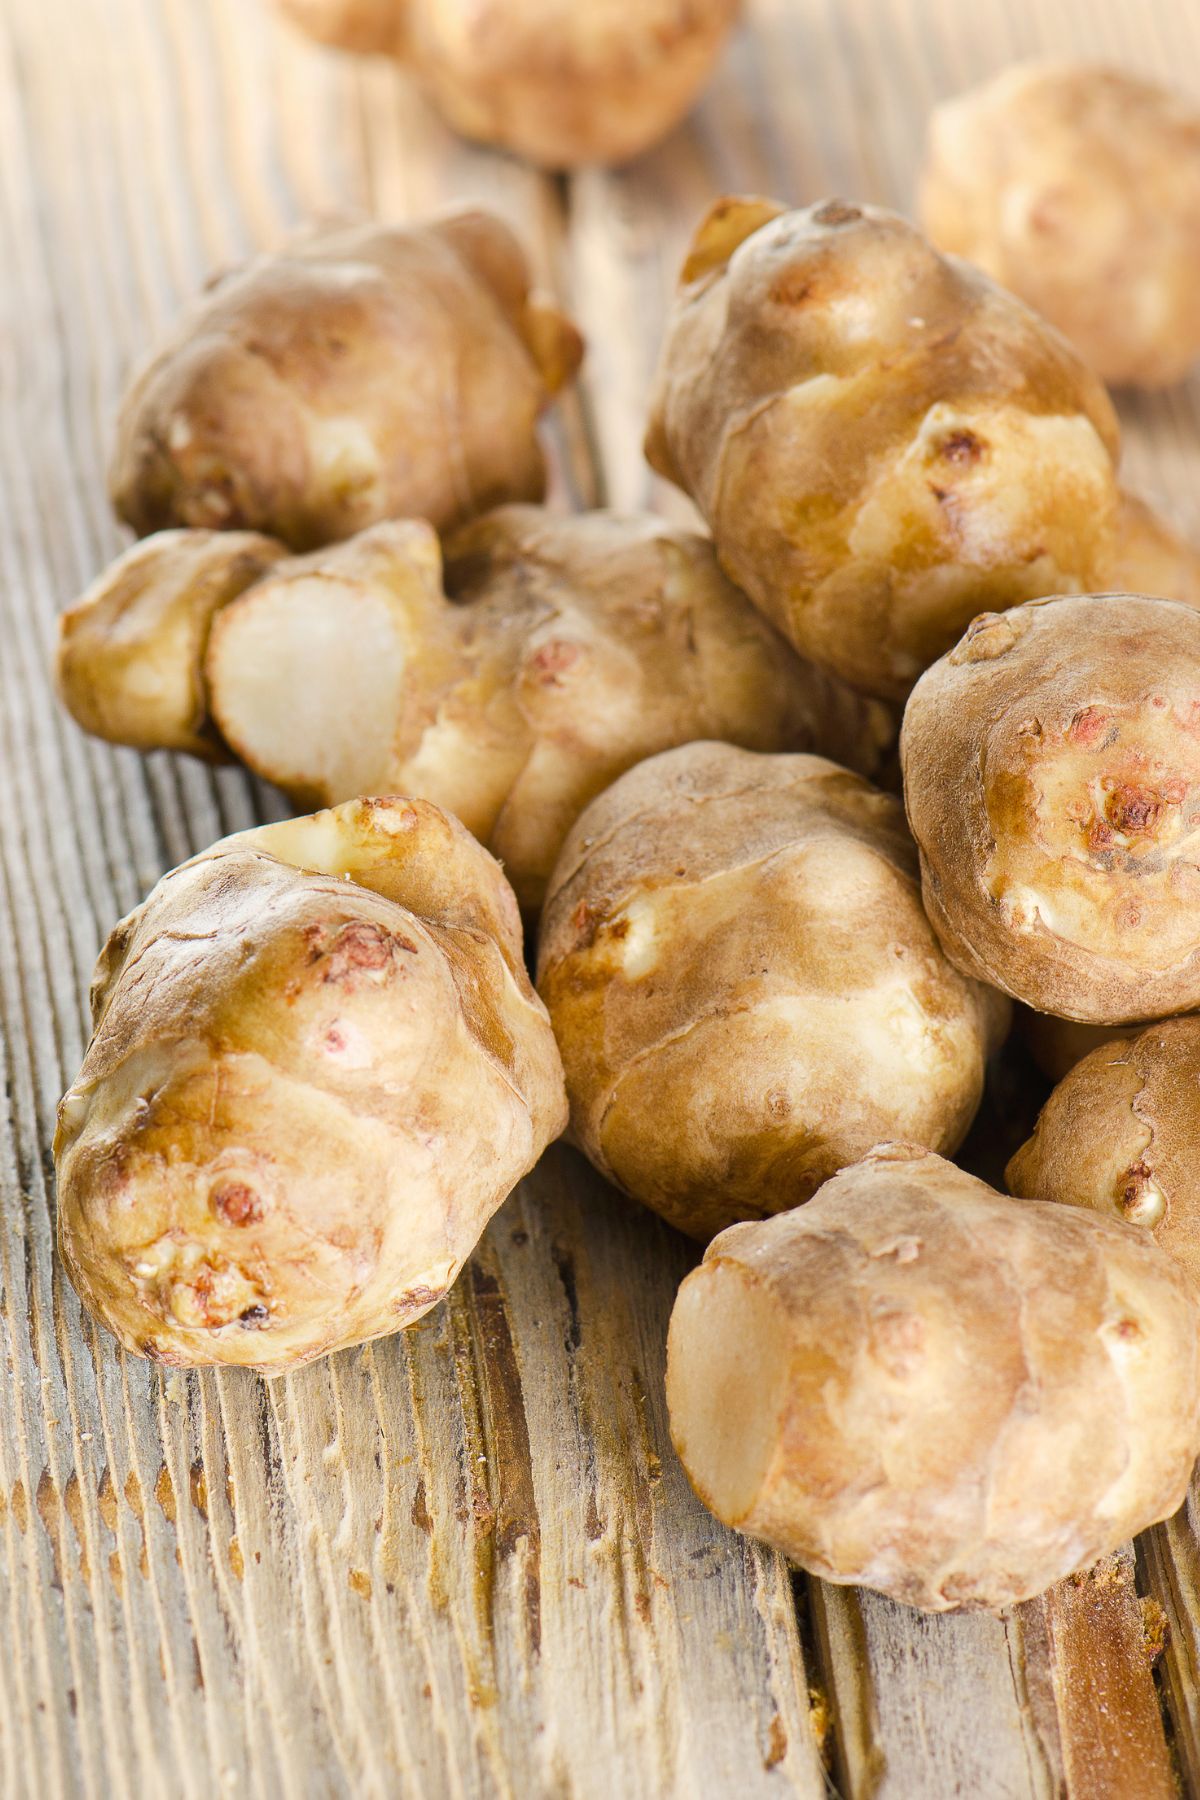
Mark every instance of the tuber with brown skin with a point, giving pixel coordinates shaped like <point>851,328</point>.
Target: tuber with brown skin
<point>882,441</point>
<point>362,373</point>
<point>1078,187</point>
<point>1152,557</point>
<point>130,660</point>
<point>1051,770</point>
<point>511,686</point>
<point>1056,1045</point>
<point>1120,1134</point>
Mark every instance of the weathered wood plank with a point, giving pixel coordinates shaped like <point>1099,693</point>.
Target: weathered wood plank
<point>1058,1694</point>
<point>458,1562</point>
<point>1087,1651</point>
<point>1170,1563</point>
<point>905,1688</point>
<point>831,98</point>
<point>465,1561</point>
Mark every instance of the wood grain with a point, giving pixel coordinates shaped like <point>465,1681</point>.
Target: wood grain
<point>465,1561</point>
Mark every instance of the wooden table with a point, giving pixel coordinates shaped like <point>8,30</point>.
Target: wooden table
<point>463,1561</point>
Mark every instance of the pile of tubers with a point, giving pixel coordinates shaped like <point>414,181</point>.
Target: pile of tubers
<point>767,985</point>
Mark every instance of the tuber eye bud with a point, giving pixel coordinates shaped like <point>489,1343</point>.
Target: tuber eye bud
<point>236,1204</point>
<point>1143,1201</point>
<point>837,212</point>
<point>987,637</point>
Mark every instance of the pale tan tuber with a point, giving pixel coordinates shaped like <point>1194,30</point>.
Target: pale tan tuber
<point>1152,557</point>
<point>366,26</point>
<point>1121,1134</point>
<point>882,442</point>
<point>130,662</point>
<point>1056,1045</point>
<point>317,1068</point>
<point>1052,776</point>
<point>362,373</point>
<point>745,990</point>
<point>1079,188</point>
<point>560,83</point>
<point>558,652</point>
<point>916,1384</point>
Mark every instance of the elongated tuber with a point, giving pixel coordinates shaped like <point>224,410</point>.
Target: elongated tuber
<point>363,373</point>
<point>130,664</point>
<point>917,1384</point>
<point>745,990</point>
<point>882,442</point>
<point>560,652</point>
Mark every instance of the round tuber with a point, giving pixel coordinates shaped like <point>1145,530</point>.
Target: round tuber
<point>1052,775</point>
<point>558,83</point>
<point>1152,557</point>
<point>1121,1134</point>
<point>1078,188</point>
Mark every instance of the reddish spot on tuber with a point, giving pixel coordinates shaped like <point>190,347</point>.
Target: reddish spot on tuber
<point>584,924</point>
<point>237,1204</point>
<point>416,1296</point>
<point>552,660</point>
<point>1134,1195</point>
<point>362,948</point>
<point>1133,811</point>
<point>1088,726</point>
<point>791,288</point>
<point>961,447</point>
